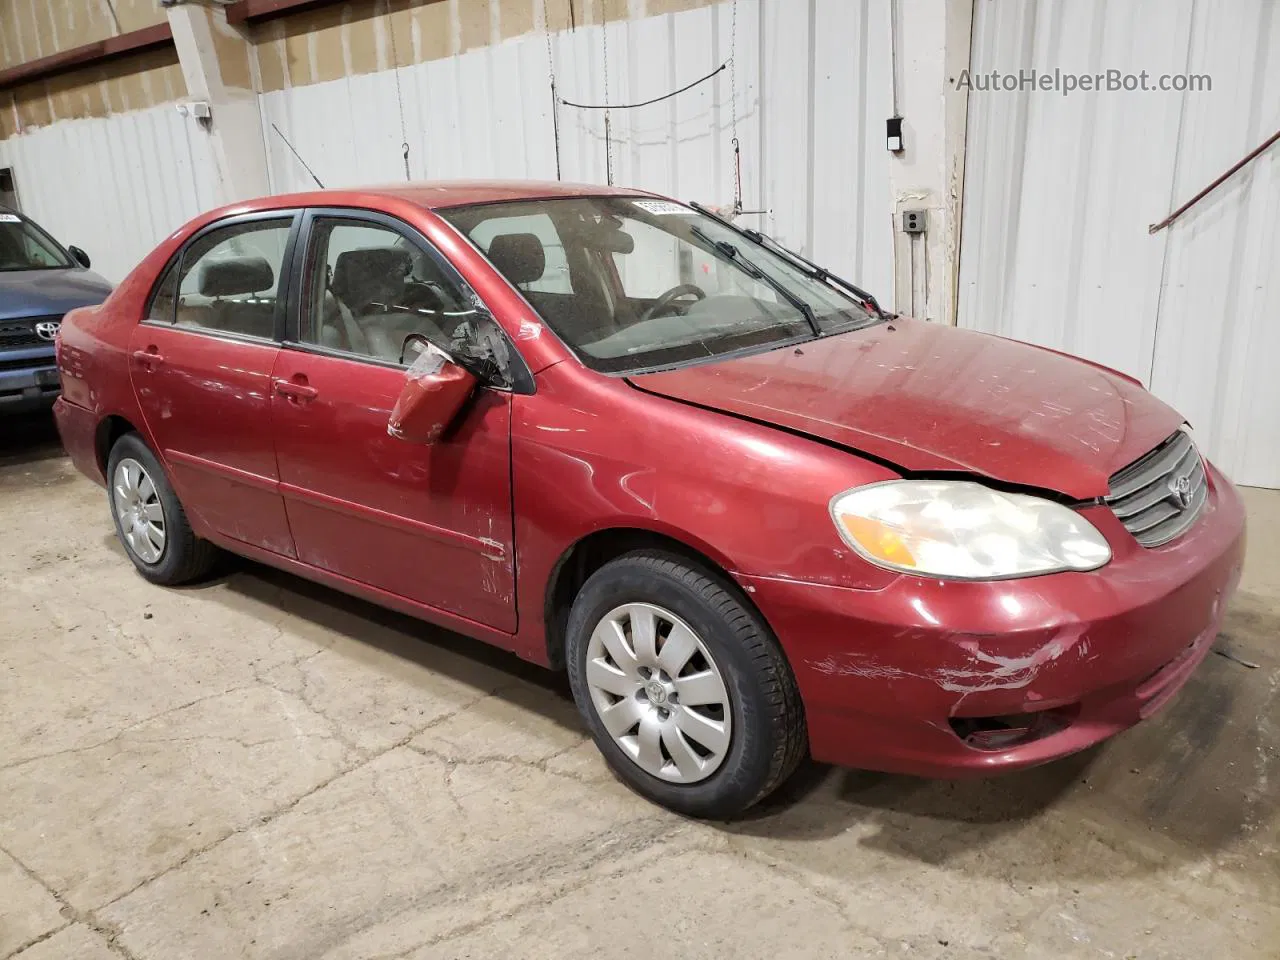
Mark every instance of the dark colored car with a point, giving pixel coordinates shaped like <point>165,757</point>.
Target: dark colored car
<point>39,282</point>
<point>752,514</point>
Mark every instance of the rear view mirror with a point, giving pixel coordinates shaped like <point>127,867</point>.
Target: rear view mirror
<point>434,391</point>
<point>79,256</point>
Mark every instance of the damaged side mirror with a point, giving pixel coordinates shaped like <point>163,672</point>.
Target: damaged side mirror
<point>435,390</point>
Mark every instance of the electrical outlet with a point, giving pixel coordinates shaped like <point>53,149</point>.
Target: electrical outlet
<point>914,221</point>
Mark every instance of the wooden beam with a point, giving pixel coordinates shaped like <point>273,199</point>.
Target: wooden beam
<point>136,41</point>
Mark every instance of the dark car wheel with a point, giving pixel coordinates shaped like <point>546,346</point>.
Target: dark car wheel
<point>149,520</point>
<point>684,689</point>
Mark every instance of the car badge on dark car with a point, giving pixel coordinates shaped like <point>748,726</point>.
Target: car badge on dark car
<point>46,329</point>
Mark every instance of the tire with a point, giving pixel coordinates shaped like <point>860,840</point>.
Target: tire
<point>180,556</point>
<point>766,736</point>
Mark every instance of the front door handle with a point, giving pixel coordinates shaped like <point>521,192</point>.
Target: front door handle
<point>151,357</point>
<point>295,390</point>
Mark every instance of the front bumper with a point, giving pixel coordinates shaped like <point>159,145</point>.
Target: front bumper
<point>900,679</point>
<point>28,379</point>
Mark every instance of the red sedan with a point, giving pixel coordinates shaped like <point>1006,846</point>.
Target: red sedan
<point>752,514</point>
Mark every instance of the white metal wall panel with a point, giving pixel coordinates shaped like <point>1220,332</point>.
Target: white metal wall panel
<point>812,81</point>
<point>1060,190</point>
<point>1217,347</point>
<point>115,185</point>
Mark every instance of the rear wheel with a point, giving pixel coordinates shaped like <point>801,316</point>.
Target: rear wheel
<point>684,689</point>
<point>149,519</point>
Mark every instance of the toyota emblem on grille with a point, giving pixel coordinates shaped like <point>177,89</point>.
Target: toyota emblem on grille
<point>1180,491</point>
<point>47,329</point>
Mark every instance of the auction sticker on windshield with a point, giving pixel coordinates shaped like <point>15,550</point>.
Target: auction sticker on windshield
<point>660,207</point>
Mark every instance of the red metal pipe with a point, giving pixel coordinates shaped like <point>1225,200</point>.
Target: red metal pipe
<point>91,54</point>
<point>255,11</point>
<point>1256,151</point>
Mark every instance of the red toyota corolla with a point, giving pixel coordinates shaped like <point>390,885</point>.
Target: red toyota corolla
<point>752,514</point>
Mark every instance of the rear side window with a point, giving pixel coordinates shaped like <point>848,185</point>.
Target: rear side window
<point>230,278</point>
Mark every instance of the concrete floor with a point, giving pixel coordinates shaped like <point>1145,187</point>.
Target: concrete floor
<point>258,767</point>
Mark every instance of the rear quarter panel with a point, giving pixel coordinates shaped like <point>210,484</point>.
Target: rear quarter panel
<point>93,345</point>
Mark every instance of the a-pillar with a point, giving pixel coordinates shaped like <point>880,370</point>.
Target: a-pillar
<point>216,63</point>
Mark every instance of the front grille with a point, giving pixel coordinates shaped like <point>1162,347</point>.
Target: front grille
<point>1159,496</point>
<point>22,333</point>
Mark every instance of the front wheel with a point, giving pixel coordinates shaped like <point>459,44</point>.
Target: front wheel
<point>684,689</point>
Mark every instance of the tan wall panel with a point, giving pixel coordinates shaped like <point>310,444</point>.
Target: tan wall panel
<point>655,7</point>
<point>357,37</point>
<point>232,54</point>
<point>475,20</point>
<point>31,30</point>
<point>433,39</point>
<point>132,83</point>
<point>516,17</point>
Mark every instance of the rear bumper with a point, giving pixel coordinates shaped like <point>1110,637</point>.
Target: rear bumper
<point>28,381</point>
<point>900,679</point>
<point>78,429</point>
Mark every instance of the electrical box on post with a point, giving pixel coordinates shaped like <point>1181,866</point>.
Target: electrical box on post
<point>914,221</point>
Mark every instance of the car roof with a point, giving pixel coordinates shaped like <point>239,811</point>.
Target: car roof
<point>440,194</point>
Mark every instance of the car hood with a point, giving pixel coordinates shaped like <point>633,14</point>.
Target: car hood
<point>37,293</point>
<point>932,398</point>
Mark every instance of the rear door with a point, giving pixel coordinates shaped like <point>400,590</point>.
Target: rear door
<point>201,363</point>
<point>429,523</point>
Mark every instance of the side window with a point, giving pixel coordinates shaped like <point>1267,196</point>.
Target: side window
<point>165,296</point>
<point>534,230</point>
<point>230,278</point>
<point>370,287</point>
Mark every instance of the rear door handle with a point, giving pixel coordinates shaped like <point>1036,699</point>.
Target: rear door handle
<point>295,390</point>
<point>151,357</point>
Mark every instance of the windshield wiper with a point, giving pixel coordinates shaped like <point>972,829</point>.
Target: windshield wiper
<point>805,265</point>
<point>727,251</point>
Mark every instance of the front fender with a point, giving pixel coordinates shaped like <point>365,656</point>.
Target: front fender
<point>591,453</point>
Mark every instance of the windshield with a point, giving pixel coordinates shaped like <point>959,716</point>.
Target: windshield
<point>24,246</point>
<point>634,283</point>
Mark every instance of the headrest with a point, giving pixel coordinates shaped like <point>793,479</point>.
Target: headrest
<point>519,257</point>
<point>361,277</point>
<point>611,241</point>
<point>233,276</point>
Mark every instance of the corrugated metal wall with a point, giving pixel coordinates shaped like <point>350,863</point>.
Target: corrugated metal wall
<point>812,80</point>
<point>1060,191</point>
<point>115,185</point>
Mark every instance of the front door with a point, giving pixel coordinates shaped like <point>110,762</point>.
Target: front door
<point>431,523</point>
<point>201,363</point>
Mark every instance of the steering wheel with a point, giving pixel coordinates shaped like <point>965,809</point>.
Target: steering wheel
<point>665,301</point>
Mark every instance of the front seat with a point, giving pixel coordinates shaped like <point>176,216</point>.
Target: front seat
<point>367,283</point>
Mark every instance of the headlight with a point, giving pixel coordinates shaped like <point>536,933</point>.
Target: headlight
<point>965,531</point>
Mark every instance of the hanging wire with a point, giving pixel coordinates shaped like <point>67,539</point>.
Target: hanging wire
<point>738,208</point>
<point>608,139</point>
<point>733,110</point>
<point>551,73</point>
<point>644,103</point>
<point>404,135</point>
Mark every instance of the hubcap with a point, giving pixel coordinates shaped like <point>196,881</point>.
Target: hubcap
<point>659,693</point>
<point>138,510</point>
